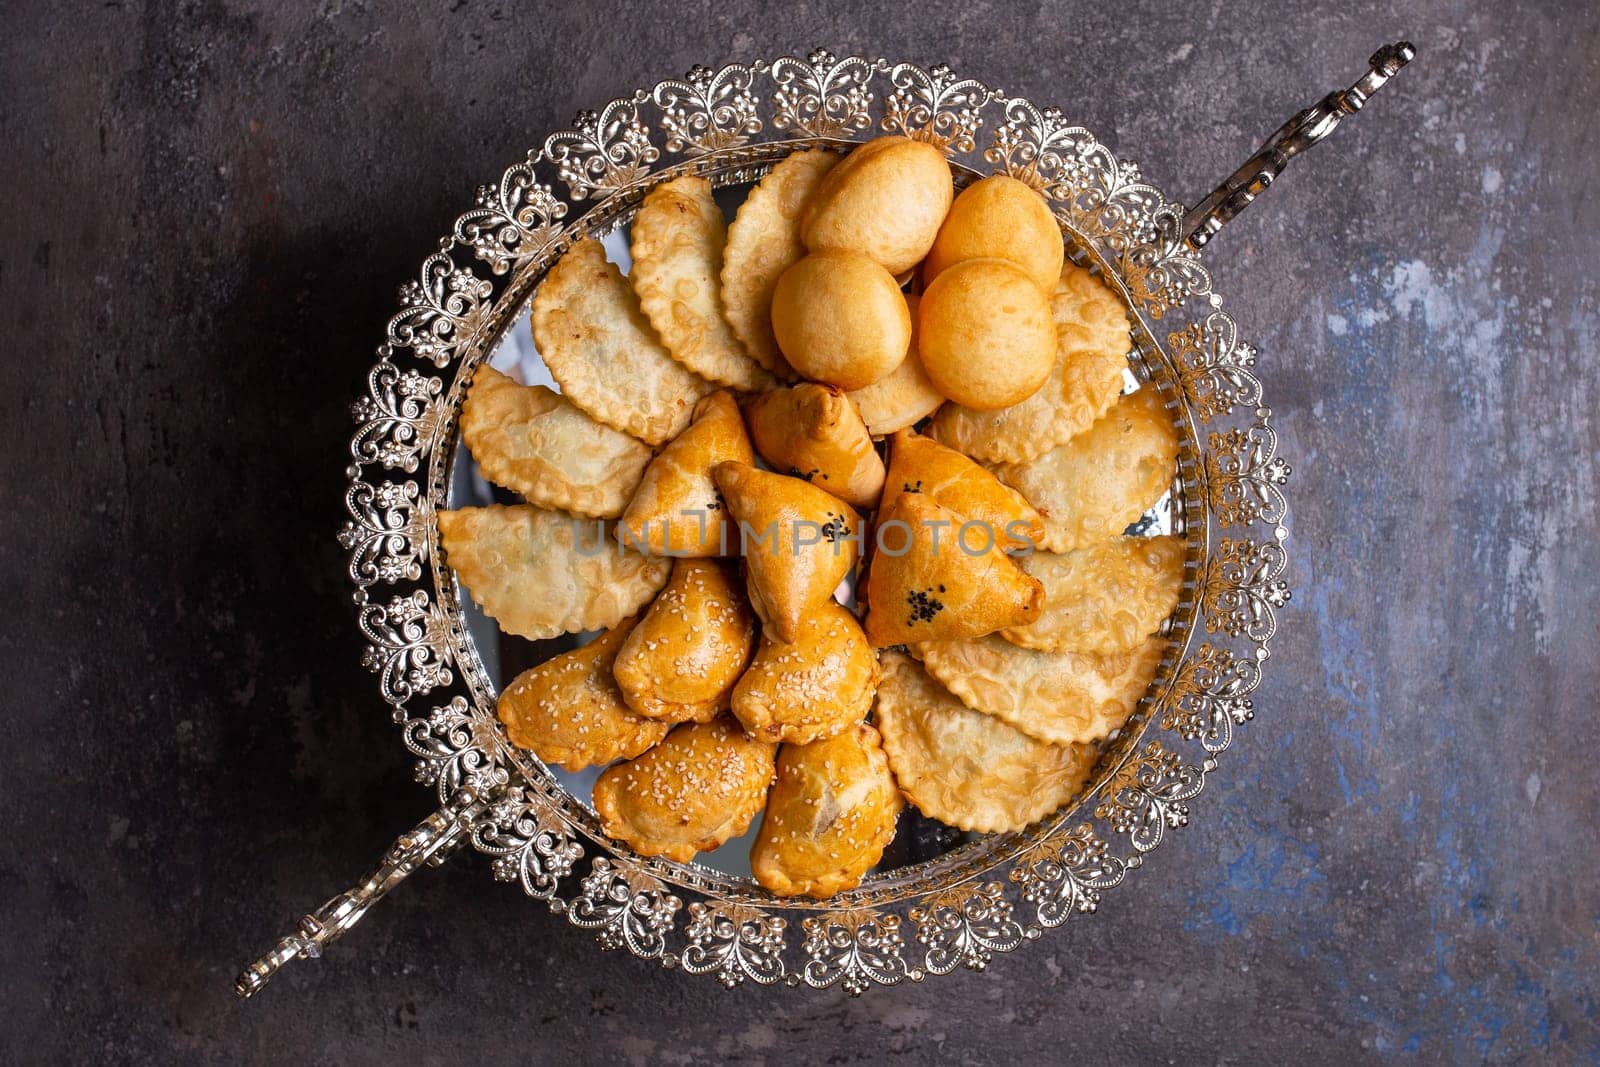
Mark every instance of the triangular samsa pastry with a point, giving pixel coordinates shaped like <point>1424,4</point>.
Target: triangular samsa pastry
<point>692,792</point>
<point>1092,345</point>
<point>681,661</point>
<point>818,685</point>
<point>798,543</point>
<point>931,580</point>
<point>676,509</point>
<point>965,768</point>
<point>568,710</point>
<point>541,573</point>
<point>1105,597</point>
<point>1093,486</point>
<point>676,244</point>
<point>813,432</point>
<point>536,442</point>
<point>1060,697</point>
<point>829,817</point>
<point>763,242</point>
<point>600,347</point>
<point>920,464</point>
<point>902,397</point>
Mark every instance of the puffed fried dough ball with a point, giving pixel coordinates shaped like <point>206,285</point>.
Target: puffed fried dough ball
<point>841,319</point>
<point>1000,218</point>
<point>985,334</point>
<point>886,200</point>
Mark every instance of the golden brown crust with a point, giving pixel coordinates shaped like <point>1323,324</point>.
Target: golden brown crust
<point>813,688</point>
<point>965,768</point>
<point>676,244</point>
<point>536,442</point>
<point>885,200</point>
<point>813,432</point>
<point>1001,217</point>
<point>682,660</point>
<point>830,815</point>
<point>1060,697</point>
<point>692,792</point>
<point>542,573</point>
<point>1105,597</point>
<point>1092,346</point>
<point>985,334</point>
<point>676,509</point>
<point>798,541</point>
<point>601,349</point>
<point>763,242</point>
<point>920,464</point>
<point>902,397</point>
<point>923,585</point>
<point>1093,486</point>
<point>569,711</point>
<point>841,319</point>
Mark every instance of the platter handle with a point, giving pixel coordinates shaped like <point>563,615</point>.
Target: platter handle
<point>1236,193</point>
<point>430,842</point>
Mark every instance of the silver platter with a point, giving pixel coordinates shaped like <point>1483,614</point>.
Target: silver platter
<point>438,673</point>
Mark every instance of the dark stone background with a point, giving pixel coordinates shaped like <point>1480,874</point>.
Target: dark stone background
<point>206,210</point>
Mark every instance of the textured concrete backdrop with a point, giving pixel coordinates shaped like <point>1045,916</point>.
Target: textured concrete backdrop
<point>206,210</point>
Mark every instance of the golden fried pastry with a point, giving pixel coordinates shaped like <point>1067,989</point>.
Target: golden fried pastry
<point>963,767</point>
<point>676,244</point>
<point>830,815</point>
<point>985,334</point>
<point>541,573</point>
<point>676,509</point>
<point>1000,217</point>
<point>902,397</point>
<point>601,349</point>
<point>692,792</point>
<point>885,200</point>
<point>1093,486</point>
<point>811,431</point>
<point>681,661</point>
<point>814,687</point>
<point>569,711</point>
<point>1060,697</point>
<point>1091,357</point>
<point>1105,597</point>
<point>841,319</point>
<point>763,242</point>
<point>798,543</point>
<point>920,464</point>
<point>935,576</point>
<point>538,443</point>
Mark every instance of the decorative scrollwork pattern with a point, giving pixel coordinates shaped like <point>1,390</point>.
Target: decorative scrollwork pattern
<point>934,105</point>
<point>397,417</point>
<point>1067,874</point>
<point>708,110</point>
<point>966,926</point>
<point>408,648</point>
<point>441,311</point>
<point>821,96</point>
<point>735,942</point>
<point>1210,696</point>
<point>854,950</point>
<point>605,150</point>
<point>516,220</point>
<point>1244,477</point>
<point>1150,795</point>
<point>626,908</point>
<point>1243,589</point>
<point>387,535</point>
<point>531,843</point>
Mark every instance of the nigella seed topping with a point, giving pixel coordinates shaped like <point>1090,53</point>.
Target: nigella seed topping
<point>924,605</point>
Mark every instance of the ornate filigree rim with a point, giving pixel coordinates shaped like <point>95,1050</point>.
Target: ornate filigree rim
<point>712,121</point>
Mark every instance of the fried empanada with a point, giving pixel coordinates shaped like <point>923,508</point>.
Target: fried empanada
<point>811,431</point>
<point>798,541</point>
<point>1060,697</point>
<point>692,792</point>
<point>812,688</point>
<point>902,397</point>
<point>920,464</point>
<point>1093,486</point>
<point>601,349</point>
<point>676,509</point>
<point>681,661</point>
<point>569,711</point>
<point>541,573</point>
<point>927,581</point>
<point>676,245</point>
<point>1092,345</point>
<point>763,242</point>
<point>536,442</point>
<point>963,767</point>
<point>1105,597</point>
<point>830,815</point>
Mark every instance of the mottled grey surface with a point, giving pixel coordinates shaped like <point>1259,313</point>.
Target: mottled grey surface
<point>206,209</point>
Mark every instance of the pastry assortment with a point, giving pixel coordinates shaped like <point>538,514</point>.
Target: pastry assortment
<point>843,487</point>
